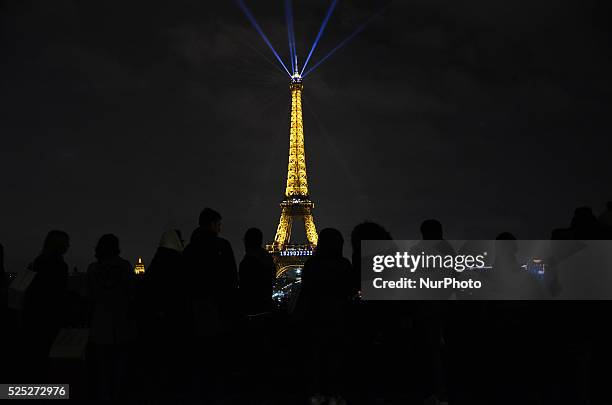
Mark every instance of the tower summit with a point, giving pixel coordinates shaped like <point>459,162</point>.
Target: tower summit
<point>297,183</point>
<point>296,204</point>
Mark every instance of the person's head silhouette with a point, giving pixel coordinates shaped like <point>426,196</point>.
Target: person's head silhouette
<point>505,236</point>
<point>172,240</point>
<point>253,238</point>
<point>368,231</point>
<point>583,218</point>
<point>107,247</point>
<point>210,220</point>
<point>506,245</point>
<point>330,243</point>
<point>56,243</point>
<point>584,224</point>
<point>431,229</point>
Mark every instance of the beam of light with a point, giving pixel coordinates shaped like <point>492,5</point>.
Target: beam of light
<point>330,10</point>
<point>291,35</point>
<point>253,21</point>
<point>347,39</point>
<point>251,47</point>
<point>287,19</point>
<point>270,61</point>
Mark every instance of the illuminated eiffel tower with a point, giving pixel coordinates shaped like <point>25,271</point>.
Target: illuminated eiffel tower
<point>296,205</point>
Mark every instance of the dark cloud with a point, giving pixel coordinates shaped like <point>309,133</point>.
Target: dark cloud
<point>130,117</point>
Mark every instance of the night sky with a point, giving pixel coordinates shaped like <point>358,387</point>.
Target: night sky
<point>129,118</point>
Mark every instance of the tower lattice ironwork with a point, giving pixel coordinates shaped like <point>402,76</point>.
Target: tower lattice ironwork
<point>296,205</point>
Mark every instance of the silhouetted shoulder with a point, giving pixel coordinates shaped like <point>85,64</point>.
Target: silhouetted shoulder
<point>125,264</point>
<point>224,244</point>
<point>110,270</point>
<point>117,262</point>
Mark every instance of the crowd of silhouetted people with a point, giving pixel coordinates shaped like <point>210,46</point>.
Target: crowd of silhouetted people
<point>198,327</point>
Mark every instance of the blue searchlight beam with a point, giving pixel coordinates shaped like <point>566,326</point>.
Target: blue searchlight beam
<point>253,21</point>
<point>291,36</point>
<point>345,40</point>
<point>330,10</point>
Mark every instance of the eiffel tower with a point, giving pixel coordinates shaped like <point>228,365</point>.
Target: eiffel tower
<point>296,205</point>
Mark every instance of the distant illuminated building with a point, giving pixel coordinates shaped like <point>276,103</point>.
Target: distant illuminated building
<point>139,269</point>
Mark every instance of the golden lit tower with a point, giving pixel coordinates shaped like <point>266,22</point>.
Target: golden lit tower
<point>296,205</point>
<point>139,269</point>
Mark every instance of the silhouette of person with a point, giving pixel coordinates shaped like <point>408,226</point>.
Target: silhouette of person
<point>3,280</point>
<point>210,263</point>
<point>511,318</point>
<point>163,275</point>
<point>429,314</point>
<point>371,322</point>
<point>510,280</point>
<point>4,351</point>
<point>561,234</point>
<point>431,229</point>
<point>505,277</point>
<point>361,232</point>
<point>433,243</point>
<point>257,273</point>
<point>44,302</point>
<point>213,282</point>
<point>584,224</point>
<point>110,281</point>
<point>169,311</point>
<point>605,221</point>
<point>323,306</point>
<point>606,217</point>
